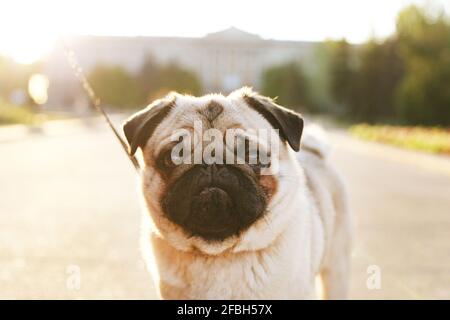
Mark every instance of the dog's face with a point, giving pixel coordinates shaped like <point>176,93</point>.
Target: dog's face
<point>203,192</point>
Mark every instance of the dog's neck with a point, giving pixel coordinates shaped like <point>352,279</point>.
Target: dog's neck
<point>232,275</point>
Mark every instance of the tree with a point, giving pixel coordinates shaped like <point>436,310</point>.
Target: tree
<point>149,79</point>
<point>380,69</point>
<point>288,83</point>
<point>174,77</point>
<point>342,73</point>
<point>423,96</point>
<point>317,72</point>
<point>156,80</point>
<point>115,86</point>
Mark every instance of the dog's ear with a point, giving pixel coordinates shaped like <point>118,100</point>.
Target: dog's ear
<point>289,123</point>
<point>140,126</point>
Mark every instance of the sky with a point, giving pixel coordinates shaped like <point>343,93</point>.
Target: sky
<point>28,28</point>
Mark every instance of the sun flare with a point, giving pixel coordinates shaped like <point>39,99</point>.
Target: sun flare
<point>29,28</point>
<point>26,48</point>
<point>27,31</point>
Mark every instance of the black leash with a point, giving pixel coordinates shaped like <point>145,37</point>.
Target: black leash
<point>95,100</point>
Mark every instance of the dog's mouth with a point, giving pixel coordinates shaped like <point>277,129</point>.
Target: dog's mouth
<point>214,204</point>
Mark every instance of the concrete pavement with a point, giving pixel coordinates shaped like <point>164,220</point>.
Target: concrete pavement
<point>401,204</point>
<point>68,201</point>
<point>69,218</point>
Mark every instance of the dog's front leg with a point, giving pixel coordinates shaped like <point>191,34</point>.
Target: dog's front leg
<point>335,272</point>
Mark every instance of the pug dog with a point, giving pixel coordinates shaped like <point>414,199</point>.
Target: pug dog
<point>214,229</point>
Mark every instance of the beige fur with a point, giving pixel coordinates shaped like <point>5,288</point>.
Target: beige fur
<point>306,231</point>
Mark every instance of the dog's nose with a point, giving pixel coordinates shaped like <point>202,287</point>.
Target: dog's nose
<point>211,209</point>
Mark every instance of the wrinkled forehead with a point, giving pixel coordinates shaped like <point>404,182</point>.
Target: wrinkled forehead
<point>211,111</point>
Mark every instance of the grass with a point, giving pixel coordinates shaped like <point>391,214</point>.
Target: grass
<point>11,114</point>
<point>432,140</point>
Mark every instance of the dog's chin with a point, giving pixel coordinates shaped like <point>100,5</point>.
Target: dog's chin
<point>214,207</point>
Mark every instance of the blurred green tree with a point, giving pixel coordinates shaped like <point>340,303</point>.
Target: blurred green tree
<point>404,78</point>
<point>342,74</point>
<point>156,80</point>
<point>115,86</point>
<point>423,96</point>
<point>288,83</point>
<point>149,79</point>
<point>380,69</point>
<point>318,78</point>
<point>174,77</point>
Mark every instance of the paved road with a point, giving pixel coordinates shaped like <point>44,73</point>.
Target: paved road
<point>401,204</point>
<point>69,207</point>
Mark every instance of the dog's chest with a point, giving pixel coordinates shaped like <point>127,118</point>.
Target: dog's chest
<point>265,274</point>
<point>250,277</point>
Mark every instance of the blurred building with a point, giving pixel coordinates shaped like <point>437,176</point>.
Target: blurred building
<point>223,60</point>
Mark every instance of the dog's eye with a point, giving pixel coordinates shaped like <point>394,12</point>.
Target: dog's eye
<point>165,161</point>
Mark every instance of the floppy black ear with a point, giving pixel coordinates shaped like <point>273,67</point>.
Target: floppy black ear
<point>289,123</point>
<point>141,125</point>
